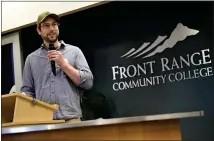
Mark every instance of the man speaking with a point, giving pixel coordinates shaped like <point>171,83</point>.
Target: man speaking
<point>59,84</point>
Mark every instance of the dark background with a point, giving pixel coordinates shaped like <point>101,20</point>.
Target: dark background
<point>7,68</point>
<point>106,32</point>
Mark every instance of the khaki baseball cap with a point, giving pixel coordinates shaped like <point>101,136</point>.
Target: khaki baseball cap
<point>46,14</point>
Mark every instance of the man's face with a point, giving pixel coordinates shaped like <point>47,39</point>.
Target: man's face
<point>49,30</point>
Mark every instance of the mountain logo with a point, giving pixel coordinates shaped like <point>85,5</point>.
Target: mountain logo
<point>180,33</point>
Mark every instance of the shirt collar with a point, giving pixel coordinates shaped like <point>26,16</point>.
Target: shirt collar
<point>62,45</point>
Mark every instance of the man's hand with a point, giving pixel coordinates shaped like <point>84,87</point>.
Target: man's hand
<point>73,73</point>
<point>56,56</point>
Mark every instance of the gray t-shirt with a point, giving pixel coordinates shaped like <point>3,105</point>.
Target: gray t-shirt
<point>40,83</point>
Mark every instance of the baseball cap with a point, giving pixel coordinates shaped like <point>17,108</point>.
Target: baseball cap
<point>46,14</point>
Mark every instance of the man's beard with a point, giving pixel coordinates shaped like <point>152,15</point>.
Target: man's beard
<point>46,38</point>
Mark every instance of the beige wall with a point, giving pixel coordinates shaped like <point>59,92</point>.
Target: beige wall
<point>18,14</point>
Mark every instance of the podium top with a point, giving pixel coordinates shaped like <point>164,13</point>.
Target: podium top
<point>7,97</point>
<point>100,122</point>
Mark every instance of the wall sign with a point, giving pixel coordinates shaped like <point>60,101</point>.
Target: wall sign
<point>143,74</point>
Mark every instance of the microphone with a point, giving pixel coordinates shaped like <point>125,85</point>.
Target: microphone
<point>53,67</point>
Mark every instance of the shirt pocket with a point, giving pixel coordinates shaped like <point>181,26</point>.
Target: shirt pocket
<point>42,74</point>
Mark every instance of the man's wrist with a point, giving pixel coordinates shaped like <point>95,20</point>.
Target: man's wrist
<point>63,65</point>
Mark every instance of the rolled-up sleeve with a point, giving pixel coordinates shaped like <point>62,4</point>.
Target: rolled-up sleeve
<point>28,82</point>
<point>86,76</point>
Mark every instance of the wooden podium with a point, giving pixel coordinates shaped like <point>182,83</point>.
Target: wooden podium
<point>18,109</point>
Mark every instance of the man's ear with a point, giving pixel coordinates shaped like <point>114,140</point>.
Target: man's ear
<point>38,31</point>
